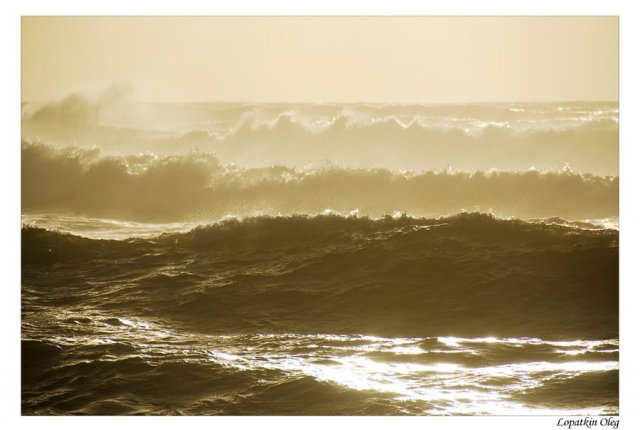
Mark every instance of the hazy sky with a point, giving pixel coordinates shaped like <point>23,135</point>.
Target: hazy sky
<point>317,59</point>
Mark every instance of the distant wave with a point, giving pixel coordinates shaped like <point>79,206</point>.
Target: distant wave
<point>197,186</point>
<point>414,143</point>
<point>415,137</point>
<point>114,106</point>
<point>469,274</point>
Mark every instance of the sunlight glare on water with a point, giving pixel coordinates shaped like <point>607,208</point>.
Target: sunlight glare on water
<point>407,369</point>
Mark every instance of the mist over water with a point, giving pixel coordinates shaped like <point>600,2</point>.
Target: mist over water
<point>473,137</point>
<point>319,259</point>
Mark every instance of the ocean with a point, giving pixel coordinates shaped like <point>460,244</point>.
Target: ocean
<point>319,259</point>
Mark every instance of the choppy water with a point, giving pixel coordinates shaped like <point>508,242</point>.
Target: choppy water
<point>324,315</point>
<point>135,366</point>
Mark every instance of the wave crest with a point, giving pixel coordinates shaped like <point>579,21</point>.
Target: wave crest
<point>263,232</point>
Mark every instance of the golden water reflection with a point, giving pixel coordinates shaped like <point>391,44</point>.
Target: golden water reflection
<point>447,375</point>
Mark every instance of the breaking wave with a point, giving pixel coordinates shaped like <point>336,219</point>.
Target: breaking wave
<point>197,186</point>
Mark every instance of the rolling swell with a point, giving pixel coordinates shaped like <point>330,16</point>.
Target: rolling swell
<point>465,275</point>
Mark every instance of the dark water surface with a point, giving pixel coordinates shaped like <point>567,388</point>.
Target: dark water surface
<point>467,314</point>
